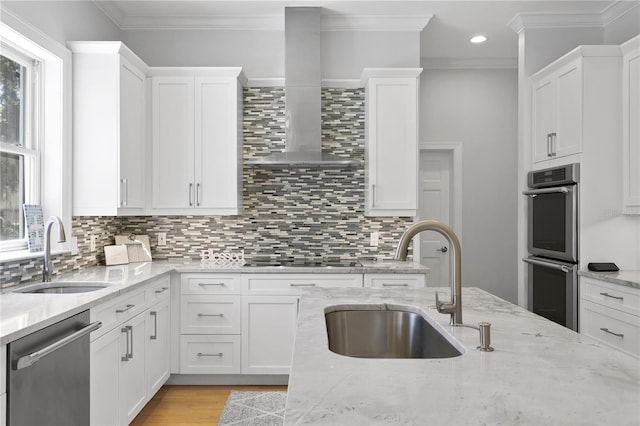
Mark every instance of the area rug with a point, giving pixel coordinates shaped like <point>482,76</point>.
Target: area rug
<point>254,408</point>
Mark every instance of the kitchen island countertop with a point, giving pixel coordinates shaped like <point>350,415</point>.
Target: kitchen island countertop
<point>540,372</point>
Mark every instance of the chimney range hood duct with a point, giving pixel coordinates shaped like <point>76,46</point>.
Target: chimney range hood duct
<point>303,140</point>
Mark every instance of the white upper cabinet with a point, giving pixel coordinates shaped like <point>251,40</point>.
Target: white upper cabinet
<point>197,141</point>
<point>631,126</point>
<point>391,141</point>
<point>109,122</point>
<point>566,102</point>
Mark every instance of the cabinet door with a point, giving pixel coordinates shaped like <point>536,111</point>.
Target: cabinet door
<point>133,386</point>
<point>631,129</point>
<point>544,113</point>
<point>132,136</point>
<point>104,379</point>
<point>568,138</point>
<point>268,333</point>
<point>158,346</point>
<point>217,149</point>
<point>392,151</point>
<point>173,142</point>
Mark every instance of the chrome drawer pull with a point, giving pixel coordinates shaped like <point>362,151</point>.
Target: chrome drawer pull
<point>201,354</point>
<point>125,330</point>
<point>206,284</point>
<point>612,297</point>
<point>211,315</point>
<point>162,290</point>
<point>155,325</point>
<point>119,311</point>
<point>606,330</point>
<point>395,285</point>
<point>302,284</point>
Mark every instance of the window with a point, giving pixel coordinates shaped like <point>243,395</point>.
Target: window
<point>19,155</point>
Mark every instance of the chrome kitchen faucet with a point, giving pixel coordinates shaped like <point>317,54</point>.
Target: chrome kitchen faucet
<point>47,270</point>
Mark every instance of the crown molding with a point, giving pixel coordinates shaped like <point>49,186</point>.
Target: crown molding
<point>522,21</point>
<point>259,22</point>
<point>617,10</point>
<point>469,63</point>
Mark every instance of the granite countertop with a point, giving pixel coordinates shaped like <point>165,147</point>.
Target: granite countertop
<point>629,278</point>
<point>24,313</point>
<point>540,372</point>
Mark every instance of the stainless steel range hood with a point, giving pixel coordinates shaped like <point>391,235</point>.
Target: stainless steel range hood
<point>303,138</point>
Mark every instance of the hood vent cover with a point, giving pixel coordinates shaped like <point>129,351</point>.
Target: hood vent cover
<point>303,138</point>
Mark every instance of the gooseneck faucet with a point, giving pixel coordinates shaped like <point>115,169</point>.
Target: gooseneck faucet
<point>455,307</point>
<point>48,265</point>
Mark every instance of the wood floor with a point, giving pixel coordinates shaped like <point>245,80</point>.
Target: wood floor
<point>190,405</point>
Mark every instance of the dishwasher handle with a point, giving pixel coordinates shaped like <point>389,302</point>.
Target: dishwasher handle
<point>31,359</point>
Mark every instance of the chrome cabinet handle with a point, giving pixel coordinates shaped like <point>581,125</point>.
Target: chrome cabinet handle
<point>395,285</point>
<point>119,311</point>
<point>130,327</point>
<point>125,330</point>
<point>191,194</point>
<point>28,360</point>
<point>198,194</point>
<point>443,249</point>
<point>612,297</point>
<point>203,354</point>
<point>211,315</point>
<point>373,195</point>
<point>302,284</point>
<point>606,330</point>
<point>553,138</point>
<point>125,194</point>
<point>548,144</point>
<point>155,325</point>
<point>162,290</point>
<point>207,284</point>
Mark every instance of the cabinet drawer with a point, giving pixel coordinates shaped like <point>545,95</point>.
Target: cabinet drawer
<point>615,328</point>
<point>394,280</point>
<point>292,284</point>
<point>158,290</point>
<point>117,311</point>
<point>210,354</point>
<point>626,299</point>
<point>209,314</point>
<point>210,284</point>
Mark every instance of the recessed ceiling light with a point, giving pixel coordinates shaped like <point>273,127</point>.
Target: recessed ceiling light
<point>478,39</point>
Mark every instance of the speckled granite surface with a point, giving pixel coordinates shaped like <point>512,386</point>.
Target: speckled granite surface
<point>254,409</point>
<point>539,374</point>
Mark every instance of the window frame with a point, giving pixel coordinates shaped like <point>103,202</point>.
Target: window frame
<point>30,125</point>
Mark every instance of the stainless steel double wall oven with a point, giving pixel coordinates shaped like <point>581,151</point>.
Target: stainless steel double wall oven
<point>552,238</point>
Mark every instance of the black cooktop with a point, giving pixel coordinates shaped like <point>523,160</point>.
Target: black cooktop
<point>302,262</point>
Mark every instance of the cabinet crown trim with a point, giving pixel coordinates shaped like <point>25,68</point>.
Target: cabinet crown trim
<point>108,48</point>
<point>579,52</point>
<point>368,73</point>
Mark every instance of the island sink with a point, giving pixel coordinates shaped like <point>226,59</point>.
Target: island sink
<point>378,332</point>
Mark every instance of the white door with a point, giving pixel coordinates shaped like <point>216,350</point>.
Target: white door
<point>133,387</point>
<point>158,346</point>
<point>435,204</point>
<point>104,383</point>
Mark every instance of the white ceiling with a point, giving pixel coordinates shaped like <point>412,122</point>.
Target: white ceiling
<point>449,24</point>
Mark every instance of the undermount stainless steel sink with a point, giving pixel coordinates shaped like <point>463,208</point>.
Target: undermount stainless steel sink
<point>63,287</point>
<point>386,333</point>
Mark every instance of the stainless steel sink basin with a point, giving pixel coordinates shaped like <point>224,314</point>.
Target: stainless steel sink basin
<point>63,287</point>
<point>386,333</point>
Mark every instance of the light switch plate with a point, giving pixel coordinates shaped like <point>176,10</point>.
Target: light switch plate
<point>375,237</point>
<point>162,238</point>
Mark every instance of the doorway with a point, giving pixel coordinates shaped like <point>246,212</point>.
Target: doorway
<point>439,200</point>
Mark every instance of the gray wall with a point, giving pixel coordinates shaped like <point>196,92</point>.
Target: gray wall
<point>479,109</point>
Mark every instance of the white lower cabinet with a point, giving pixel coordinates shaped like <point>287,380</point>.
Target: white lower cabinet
<point>209,323</point>
<point>268,333</point>
<point>129,361</point>
<point>610,313</point>
<point>395,280</point>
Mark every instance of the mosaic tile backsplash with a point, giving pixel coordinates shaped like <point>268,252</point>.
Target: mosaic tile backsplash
<point>297,213</point>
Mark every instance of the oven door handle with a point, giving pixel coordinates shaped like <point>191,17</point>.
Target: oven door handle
<point>534,192</point>
<point>562,268</point>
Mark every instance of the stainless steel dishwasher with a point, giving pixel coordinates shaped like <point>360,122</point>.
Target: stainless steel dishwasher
<point>48,375</point>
